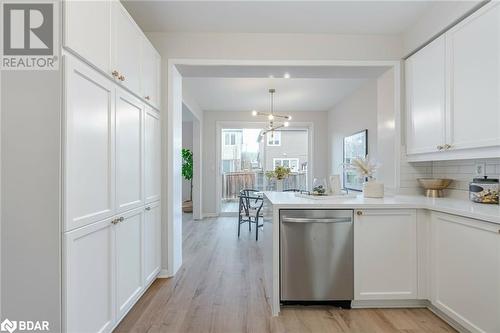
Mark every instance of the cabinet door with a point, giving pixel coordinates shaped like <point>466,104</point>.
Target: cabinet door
<point>126,48</point>
<point>474,68</point>
<point>425,98</point>
<point>152,155</point>
<point>128,260</point>
<point>465,275</point>
<point>385,254</point>
<point>89,278</point>
<point>129,151</point>
<point>89,147</point>
<point>87,31</point>
<point>152,242</point>
<point>151,63</point>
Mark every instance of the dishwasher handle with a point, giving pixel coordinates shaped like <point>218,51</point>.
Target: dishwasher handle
<point>315,220</point>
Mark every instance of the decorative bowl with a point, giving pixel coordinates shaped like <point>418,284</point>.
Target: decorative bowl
<point>434,186</point>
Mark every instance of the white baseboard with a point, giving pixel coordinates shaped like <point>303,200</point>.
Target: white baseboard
<point>396,303</point>
<point>164,273</point>
<point>209,215</point>
<point>453,323</point>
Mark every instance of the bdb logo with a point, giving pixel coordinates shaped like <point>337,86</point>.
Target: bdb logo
<point>8,326</point>
<point>29,35</point>
<point>23,325</point>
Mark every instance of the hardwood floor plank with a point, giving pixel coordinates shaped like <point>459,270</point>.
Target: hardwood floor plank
<point>220,289</point>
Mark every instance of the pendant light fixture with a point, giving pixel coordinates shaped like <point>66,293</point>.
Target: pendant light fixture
<point>276,121</point>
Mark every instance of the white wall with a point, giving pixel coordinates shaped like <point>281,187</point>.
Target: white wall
<point>438,17</point>
<point>187,142</point>
<point>276,46</point>
<point>30,192</point>
<point>356,112</point>
<point>319,153</point>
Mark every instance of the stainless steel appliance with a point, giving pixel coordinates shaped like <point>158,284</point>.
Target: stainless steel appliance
<point>317,259</point>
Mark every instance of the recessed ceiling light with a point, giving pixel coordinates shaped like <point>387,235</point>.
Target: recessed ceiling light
<point>286,75</point>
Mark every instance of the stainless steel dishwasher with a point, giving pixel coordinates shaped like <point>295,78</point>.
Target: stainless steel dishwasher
<point>316,256</point>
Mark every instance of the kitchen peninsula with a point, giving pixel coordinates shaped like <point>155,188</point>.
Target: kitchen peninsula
<point>409,251</point>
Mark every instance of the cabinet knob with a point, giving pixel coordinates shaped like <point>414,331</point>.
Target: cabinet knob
<point>148,208</point>
<point>115,73</point>
<point>121,219</point>
<point>359,213</point>
<point>440,147</point>
<point>121,78</point>
<point>115,221</point>
<point>447,146</point>
<point>147,97</point>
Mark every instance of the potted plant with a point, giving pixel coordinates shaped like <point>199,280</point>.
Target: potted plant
<point>366,169</point>
<point>279,173</point>
<point>187,173</point>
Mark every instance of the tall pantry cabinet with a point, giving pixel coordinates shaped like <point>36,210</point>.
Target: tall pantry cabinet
<point>111,165</point>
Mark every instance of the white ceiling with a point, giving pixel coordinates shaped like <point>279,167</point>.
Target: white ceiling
<point>246,94</point>
<point>339,17</point>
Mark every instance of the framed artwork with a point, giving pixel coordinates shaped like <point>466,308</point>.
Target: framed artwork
<point>355,145</point>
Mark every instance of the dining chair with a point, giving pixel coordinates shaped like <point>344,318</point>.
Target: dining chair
<point>250,206</point>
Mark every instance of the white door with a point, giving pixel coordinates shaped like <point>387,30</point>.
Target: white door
<point>151,62</point>
<point>89,146</point>
<point>385,254</point>
<point>425,98</point>
<point>87,31</point>
<point>152,242</point>
<point>126,48</point>
<point>89,278</point>
<point>129,151</point>
<point>129,265</point>
<point>474,68</point>
<point>465,276</point>
<point>152,155</point>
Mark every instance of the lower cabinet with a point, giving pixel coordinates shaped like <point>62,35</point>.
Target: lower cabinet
<point>107,265</point>
<point>465,272</point>
<point>152,242</point>
<point>385,254</point>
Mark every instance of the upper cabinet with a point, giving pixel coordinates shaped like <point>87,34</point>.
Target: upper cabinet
<point>126,50</point>
<point>453,92</point>
<point>104,35</point>
<point>87,31</point>
<point>150,74</point>
<point>474,80</point>
<point>425,98</point>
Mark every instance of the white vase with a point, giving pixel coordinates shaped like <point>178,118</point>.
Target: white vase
<point>373,189</point>
<point>279,185</point>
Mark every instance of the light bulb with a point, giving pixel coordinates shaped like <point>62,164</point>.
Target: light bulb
<point>254,113</point>
<point>286,75</point>
<point>289,117</point>
<point>286,123</point>
<point>270,117</point>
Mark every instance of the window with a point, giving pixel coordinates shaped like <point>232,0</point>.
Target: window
<point>274,138</point>
<point>292,163</point>
<point>230,139</point>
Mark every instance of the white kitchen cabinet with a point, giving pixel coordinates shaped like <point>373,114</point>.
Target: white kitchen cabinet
<point>87,31</point>
<point>89,278</point>
<point>150,72</point>
<point>152,242</point>
<point>126,48</point>
<point>129,260</point>
<point>89,147</point>
<point>425,98</point>
<point>129,151</point>
<point>152,152</point>
<point>465,273</point>
<point>385,254</point>
<point>473,47</point>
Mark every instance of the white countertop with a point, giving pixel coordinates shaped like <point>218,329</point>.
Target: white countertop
<point>486,212</point>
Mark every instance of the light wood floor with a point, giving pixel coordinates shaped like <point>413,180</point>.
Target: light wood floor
<point>219,288</point>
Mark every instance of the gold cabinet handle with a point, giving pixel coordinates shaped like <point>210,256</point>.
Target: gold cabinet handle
<point>147,97</point>
<point>121,78</point>
<point>115,73</point>
<point>115,221</point>
<point>359,213</point>
<point>440,147</point>
<point>447,146</point>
